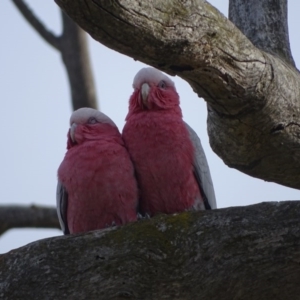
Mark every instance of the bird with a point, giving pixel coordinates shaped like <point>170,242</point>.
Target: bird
<point>96,181</point>
<point>170,164</point>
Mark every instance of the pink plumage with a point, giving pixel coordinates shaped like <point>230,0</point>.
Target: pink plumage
<point>97,187</point>
<point>161,148</point>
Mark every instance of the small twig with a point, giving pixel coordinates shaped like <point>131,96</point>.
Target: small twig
<point>37,24</point>
<point>19,216</point>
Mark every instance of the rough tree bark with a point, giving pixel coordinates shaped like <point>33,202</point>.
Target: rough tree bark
<point>252,95</point>
<point>265,23</point>
<point>72,44</point>
<point>236,253</point>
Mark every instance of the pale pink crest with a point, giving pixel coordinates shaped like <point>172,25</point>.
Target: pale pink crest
<point>82,115</point>
<point>150,75</point>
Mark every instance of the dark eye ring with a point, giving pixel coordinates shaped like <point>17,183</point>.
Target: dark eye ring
<point>92,120</point>
<point>162,84</point>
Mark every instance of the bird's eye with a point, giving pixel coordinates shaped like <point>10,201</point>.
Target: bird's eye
<point>92,120</point>
<point>162,84</point>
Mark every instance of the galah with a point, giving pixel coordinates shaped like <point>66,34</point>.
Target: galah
<point>170,164</point>
<point>96,182</point>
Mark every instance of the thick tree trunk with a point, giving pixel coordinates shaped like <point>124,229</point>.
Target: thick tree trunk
<point>235,253</point>
<point>252,96</point>
<point>265,23</point>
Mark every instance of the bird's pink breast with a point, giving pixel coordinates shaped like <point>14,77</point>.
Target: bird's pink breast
<point>162,153</point>
<point>99,179</point>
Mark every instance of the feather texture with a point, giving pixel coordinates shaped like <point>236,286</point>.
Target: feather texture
<point>97,187</point>
<point>166,155</point>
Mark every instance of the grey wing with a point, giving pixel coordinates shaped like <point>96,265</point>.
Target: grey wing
<point>202,173</point>
<point>61,207</point>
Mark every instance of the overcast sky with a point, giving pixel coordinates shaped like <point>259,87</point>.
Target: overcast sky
<point>36,108</point>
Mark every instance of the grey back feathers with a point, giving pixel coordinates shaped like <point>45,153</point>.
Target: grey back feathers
<point>202,173</point>
<point>61,207</point>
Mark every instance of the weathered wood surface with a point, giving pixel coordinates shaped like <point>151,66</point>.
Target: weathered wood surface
<point>235,253</point>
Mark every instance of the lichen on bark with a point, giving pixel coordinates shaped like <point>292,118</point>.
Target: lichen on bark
<point>234,253</point>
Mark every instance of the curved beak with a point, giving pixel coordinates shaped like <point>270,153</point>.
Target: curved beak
<point>72,132</point>
<point>144,93</point>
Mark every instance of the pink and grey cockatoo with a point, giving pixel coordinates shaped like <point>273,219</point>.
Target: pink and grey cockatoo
<point>96,182</point>
<point>170,164</point>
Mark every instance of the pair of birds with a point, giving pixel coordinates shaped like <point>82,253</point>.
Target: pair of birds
<point>156,166</point>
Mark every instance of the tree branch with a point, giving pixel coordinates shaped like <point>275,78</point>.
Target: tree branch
<point>265,23</point>
<point>235,253</point>
<point>25,217</point>
<point>252,96</point>
<point>33,20</point>
<point>75,55</point>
